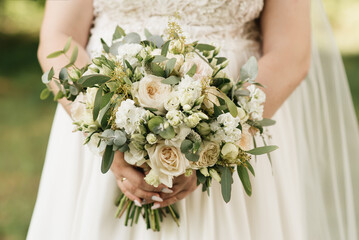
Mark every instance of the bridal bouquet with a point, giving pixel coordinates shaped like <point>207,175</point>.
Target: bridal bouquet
<point>168,104</point>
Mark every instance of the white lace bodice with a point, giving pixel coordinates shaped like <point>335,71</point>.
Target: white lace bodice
<point>227,23</point>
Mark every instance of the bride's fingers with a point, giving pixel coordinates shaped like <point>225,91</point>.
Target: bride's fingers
<point>149,196</point>
<point>128,194</point>
<point>171,200</point>
<point>136,177</point>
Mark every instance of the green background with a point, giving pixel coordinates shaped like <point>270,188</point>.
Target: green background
<point>25,120</point>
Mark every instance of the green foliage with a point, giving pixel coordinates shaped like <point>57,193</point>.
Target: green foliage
<point>262,150</point>
<point>192,71</point>
<point>249,70</point>
<point>204,47</point>
<point>107,159</point>
<point>93,79</point>
<point>164,48</point>
<point>226,183</point>
<point>243,175</point>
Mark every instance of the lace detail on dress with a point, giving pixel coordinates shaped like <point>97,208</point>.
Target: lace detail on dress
<point>216,14</point>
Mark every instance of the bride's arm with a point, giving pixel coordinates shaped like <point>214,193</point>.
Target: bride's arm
<point>63,19</point>
<point>285,26</point>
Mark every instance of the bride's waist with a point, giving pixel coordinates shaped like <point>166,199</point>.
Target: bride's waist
<point>220,34</point>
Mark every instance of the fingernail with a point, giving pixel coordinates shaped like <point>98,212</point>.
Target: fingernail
<point>144,201</point>
<point>155,206</point>
<point>137,203</point>
<point>157,199</point>
<point>166,190</point>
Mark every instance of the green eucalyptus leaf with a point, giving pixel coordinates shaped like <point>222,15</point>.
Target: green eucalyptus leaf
<point>200,177</point>
<point>266,122</point>
<point>249,70</point>
<point>148,34</point>
<point>226,183</point>
<point>67,45</point>
<point>55,54</point>
<point>250,168</point>
<point>159,58</point>
<point>168,133</point>
<point>170,65</point>
<point>107,159</point>
<point>204,47</point>
<point>120,138</point>
<point>119,33</point>
<point>230,105</point>
<point>93,79</point>
<point>151,109</point>
<point>262,150</point>
<point>132,38</point>
<point>164,48</point>
<point>155,124</point>
<point>97,103</point>
<point>171,80</point>
<point>156,39</point>
<point>106,117</point>
<point>63,75</point>
<point>105,47</point>
<point>73,90</point>
<point>243,175</point>
<point>128,65</point>
<point>220,60</point>
<point>157,70</point>
<point>258,84</point>
<point>59,95</point>
<point>186,146</point>
<point>106,99</point>
<point>74,55</point>
<point>45,93</point>
<point>242,92</point>
<point>192,156</point>
<point>123,148</point>
<point>192,71</point>
<point>47,76</point>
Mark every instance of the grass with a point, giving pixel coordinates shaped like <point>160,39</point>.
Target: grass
<point>25,123</point>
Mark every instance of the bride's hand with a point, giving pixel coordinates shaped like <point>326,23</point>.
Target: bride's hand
<point>130,180</point>
<point>182,187</point>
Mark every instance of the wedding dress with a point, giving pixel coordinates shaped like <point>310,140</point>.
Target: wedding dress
<point>291,199</point>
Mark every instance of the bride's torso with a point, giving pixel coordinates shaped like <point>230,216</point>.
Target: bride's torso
<point>230,24</point>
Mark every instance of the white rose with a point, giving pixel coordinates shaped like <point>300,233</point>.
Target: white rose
<point>192,120</point>
<point>81,113</point>
<point>94,147</point>
<point>174,117</point>
<point>229,152</point>
<point>150,92</point>
<point>90,96</point>
<point>203,71</point>
<point>172,102</point>
<point>167,161</point>
<point>152,178</point>
<point>151,138</point>
<point>134,156</point>
<point>208,155</point>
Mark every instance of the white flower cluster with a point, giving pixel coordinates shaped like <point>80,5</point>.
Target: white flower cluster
<point>225,128</point>
<point>129,51</point>
<point>188,90</point>
<point>129,117</point>
<point>253,104</point>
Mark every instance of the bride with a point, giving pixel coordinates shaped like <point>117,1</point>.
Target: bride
<point>308,191</point>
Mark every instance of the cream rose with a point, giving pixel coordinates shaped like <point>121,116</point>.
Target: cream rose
<point>203,71</point>
<point>208,156</point>
<point>81,113</point>
<point>230,152</point>
<point>150,92</point>
<point>167,161</point>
